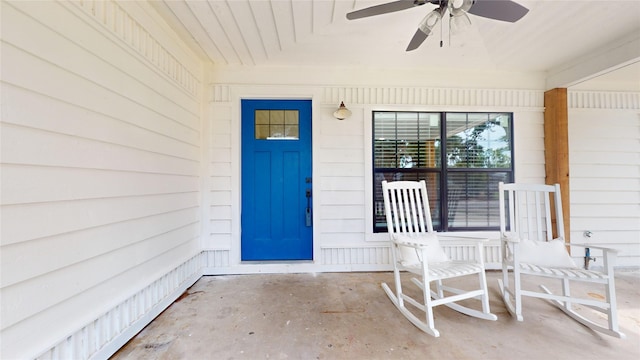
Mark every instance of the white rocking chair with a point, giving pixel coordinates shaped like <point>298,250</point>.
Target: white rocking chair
<point>530,249</point>
<point>415,247</point>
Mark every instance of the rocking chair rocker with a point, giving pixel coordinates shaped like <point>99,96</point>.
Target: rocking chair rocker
<point>415,247</point>
<point>530,249</point>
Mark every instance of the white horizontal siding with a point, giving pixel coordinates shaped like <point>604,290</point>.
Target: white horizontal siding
<point>142,127</point>
<point>87,244</point>
<point>604,157</point>
<point>342,171</point>
<point>55,149</point>
<point>342,226</point>
<point>59,217</point>
<point>32,183</point>
<point>100,163</point>
<point>346,212</point>
<point>24,299</point>
<point>529,147</point>
<point>339,184</point>
<point>220,185</point>
<point>341,198</point>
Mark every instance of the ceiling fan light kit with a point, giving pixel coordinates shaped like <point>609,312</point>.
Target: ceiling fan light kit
<point>458,23</point>
<point>429,22</point>
<point>503,10</point>
<point>460,7</point>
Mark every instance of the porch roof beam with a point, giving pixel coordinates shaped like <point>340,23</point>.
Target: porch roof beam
<point>608,58</point>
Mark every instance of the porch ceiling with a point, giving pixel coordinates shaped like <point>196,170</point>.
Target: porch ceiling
<point>568,40</point>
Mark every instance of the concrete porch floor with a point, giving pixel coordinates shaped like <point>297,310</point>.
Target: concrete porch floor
<point>348,316</point>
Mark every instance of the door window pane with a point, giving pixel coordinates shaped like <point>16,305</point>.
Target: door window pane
<point>277,125</point>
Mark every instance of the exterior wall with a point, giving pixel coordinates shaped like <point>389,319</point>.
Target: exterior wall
<point>101,148</point>
<point>604,157</point>
<point>343,239</point>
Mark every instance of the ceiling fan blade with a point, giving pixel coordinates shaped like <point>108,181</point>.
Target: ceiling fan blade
<point>418,38</point>
<point>384,8</point>
<point>504,10</point>
<point>426,26</point>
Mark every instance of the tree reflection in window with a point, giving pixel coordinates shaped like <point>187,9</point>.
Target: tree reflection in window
<point>478,145</point>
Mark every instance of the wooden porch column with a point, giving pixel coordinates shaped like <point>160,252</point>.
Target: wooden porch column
<point>556,148</point>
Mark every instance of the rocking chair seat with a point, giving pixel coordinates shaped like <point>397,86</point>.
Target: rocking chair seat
<point>563,272</point>
<point>445,270</point>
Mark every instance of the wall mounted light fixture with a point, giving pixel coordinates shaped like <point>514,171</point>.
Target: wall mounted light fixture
<point>342,112</point>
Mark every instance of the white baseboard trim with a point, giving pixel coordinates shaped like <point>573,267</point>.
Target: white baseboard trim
<point>130,332</point>
<point>335,259</point>
<point>105,335</point>
<point>291,268</point>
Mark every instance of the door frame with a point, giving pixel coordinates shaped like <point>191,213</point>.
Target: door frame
<point>252,93</point>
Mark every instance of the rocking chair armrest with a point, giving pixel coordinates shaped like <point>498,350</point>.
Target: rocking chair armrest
<point>461,240</point>
<point>510,238</point>
<point>418,244</point>
<point>603,248</point>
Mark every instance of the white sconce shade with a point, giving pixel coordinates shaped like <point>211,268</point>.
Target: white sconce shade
<point>342,112</point>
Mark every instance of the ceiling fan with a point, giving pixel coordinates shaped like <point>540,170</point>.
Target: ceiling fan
<point>504,10</point>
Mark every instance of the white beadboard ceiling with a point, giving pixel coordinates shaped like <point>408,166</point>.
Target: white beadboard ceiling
<point>555,37</point>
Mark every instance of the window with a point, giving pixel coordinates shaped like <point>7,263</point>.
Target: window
<point>461,156</point>
<point>276,124</point>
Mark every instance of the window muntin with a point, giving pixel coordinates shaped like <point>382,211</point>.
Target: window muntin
<point>276,125</point>
<point>462,182</point>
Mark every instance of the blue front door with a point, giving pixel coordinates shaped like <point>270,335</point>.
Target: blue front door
<point>276,180</point>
